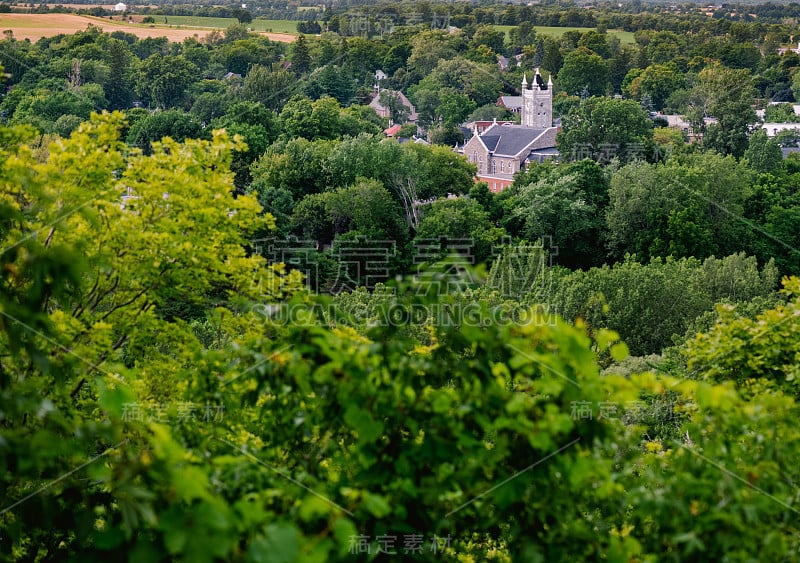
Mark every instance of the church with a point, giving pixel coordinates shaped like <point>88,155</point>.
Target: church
<point>503,150</point>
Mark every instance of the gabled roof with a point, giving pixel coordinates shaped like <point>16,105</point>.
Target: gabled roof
<point>510,102</point>
<point>376,105</point>
<point>510,140</point>
<point>392,131</point>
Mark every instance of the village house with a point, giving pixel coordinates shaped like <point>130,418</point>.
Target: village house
<point>502,150</point>
<point>383,111</point>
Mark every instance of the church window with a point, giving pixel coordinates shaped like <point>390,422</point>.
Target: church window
<point>494,166</point>
<point>502,166</point>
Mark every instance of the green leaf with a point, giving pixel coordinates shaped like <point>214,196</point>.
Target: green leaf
<point>368,429</point>
<point>113,397</point>
<point>619,351</point>
<point>343,531</point>
<point>376,505</point>
<point>279,544</point>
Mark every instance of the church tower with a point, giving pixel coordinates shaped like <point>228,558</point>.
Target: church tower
<point>537,102</point>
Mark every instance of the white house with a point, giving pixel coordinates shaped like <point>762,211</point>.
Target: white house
<point>120,7</point>
<point>773,129</point>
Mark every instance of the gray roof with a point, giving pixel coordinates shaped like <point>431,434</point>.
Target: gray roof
<point>540,155</point>
<point>510,140</point>
<point>511,101</point>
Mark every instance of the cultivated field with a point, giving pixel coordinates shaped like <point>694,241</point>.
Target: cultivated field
<point>109,6</point>
<point>276,26</point>
<point>625,37</point>
<point>36,26</point>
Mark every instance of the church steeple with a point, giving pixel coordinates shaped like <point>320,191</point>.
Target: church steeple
<point>537,101</point>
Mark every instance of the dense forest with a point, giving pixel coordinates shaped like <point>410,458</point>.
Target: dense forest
<point>240,321</point>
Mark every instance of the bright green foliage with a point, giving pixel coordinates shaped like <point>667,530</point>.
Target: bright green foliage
<point>690,206</point>
<point>330,433</point>
<point>726,489</point>
<point>98,240</point>
<point>462,219</point>
<point>743,349</point>
<point>650,304</point>
<point>605,128</point>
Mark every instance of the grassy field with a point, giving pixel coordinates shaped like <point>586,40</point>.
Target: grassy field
<point>275,26</point>
<point>36,26</point>
<point>625,37</point>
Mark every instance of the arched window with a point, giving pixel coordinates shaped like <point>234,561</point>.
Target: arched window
<point>474,156</point>
<point>480,163</point>
<point>502,166</point>
<point>494,166</point>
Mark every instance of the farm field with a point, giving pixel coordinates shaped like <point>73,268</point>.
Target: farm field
<point>276,26</point>
<point>625,37</point>
<point>107,6</point>
<point>36,26</point>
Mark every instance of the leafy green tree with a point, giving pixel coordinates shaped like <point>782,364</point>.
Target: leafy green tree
<point>664,47</point>
<point>559,211</point>
<point>439,171</point>
<point>42,107</point>
<point>490,37</point>
<point>236,32</point>
<point>82,320</point>
<point>171,123</point>
<point>66,124</point>
<point>301,117</point>
<point>461,219</point>
<point>311,220</point>
<point>271,88</point>
<point>354,120</point>
<point>687,207</point>
<point>368,209</point>
<point>768,340</point>
<point>430,47</point>
<point>242,15</point>
<point>331,80</point>
<point>446,135</point>
<point>727,95</point>
<point>478,81</point>
<point>522,35</point>
<point>258,137</point>
<point>656,81</point>
<point>210,105</point>
<point>162,80</point>
<point>296,165</point>
<point>552,60</point>
<point>652,304</point>
<point>605,128</point>
<point>583,69</point>
<point>763,154</point>
<point>595,42</point>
